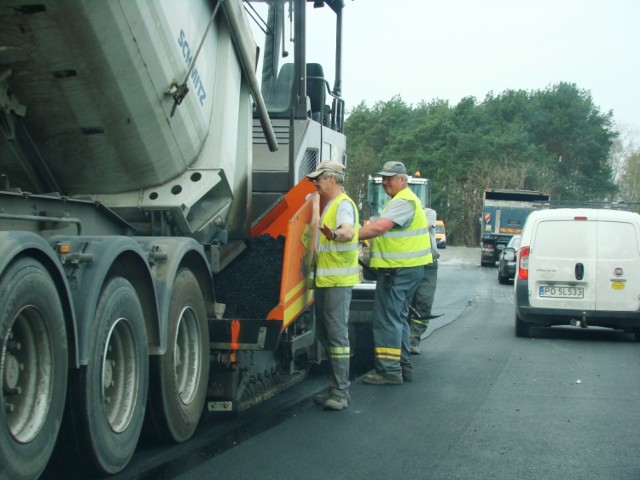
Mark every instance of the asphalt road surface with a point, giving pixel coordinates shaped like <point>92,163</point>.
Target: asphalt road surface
<point>484,405</point>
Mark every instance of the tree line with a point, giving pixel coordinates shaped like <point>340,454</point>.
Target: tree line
<point>553,140</point>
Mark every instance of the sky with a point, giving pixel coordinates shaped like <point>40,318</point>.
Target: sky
<point>451,49</point>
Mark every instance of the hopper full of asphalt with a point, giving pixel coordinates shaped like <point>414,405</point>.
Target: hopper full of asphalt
<point>250,286</point>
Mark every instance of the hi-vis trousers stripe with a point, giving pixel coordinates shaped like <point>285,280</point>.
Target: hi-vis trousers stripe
<point>339,352</point>
<point>417,320</point>
<point>388,353</point>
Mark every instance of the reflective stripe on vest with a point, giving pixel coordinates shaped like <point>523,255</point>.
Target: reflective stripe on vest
<point>399,248</point>
<point>337,263</point>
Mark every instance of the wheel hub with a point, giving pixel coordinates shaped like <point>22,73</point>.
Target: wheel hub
<point>27,377</point>
<point>186,356</point>
<point>11,373</point>
<point>120,376</point>
<point>107,377</point>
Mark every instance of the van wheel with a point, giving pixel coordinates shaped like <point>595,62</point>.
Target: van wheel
<point>522,329</point>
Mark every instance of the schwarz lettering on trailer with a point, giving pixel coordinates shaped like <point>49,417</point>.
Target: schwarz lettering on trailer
<point>188,58</point>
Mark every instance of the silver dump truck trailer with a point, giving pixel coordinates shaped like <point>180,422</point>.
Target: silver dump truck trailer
<point>156,226</point>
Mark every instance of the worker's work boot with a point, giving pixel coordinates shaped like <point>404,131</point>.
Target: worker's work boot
<point>322,397</point>
<point>375,378</point>
<point>337,401</point>
<point>414,345</point>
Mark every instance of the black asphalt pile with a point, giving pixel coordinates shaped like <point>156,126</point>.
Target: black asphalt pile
<point>250,285</point>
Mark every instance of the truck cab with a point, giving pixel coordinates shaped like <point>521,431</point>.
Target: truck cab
<point>377,198</point>
<point>301,83</point>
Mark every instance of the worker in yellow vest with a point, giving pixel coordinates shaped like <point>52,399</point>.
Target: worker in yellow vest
<point>335,275</point>
<point>400,249</point>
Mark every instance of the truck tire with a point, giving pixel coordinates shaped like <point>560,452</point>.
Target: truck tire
<point>522,329</point>
<point>106,405</point>
<point>178,385</point>
<point>33,368</point>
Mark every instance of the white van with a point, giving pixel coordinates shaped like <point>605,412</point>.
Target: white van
<point>579,267</point>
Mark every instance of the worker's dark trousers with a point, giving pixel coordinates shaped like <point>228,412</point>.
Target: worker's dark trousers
<point>394,290</point>
<point>423,302</point>
<point>332,316</point>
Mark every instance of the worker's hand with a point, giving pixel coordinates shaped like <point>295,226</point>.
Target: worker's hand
<point>328,232</point>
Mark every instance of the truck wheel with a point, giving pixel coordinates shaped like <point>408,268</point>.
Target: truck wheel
<point>179,377</point>
<point>522,329</point>
<point>106,407</point>
<point>33,368</point>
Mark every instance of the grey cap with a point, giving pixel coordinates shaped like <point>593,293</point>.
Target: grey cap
<point>330,166</point>
<point>391,169</point>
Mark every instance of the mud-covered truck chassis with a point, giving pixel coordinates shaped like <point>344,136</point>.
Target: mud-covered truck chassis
<point>152,182</point>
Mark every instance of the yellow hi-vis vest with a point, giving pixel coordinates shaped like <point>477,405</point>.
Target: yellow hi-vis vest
<point>337,262</point>
<point>399,248</point>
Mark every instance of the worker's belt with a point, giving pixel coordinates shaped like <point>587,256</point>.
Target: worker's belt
<point>388,271</point>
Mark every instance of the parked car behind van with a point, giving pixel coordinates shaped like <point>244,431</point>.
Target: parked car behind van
<point>441,234</point>
<point>579,267</point>
<point>507,260</point>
